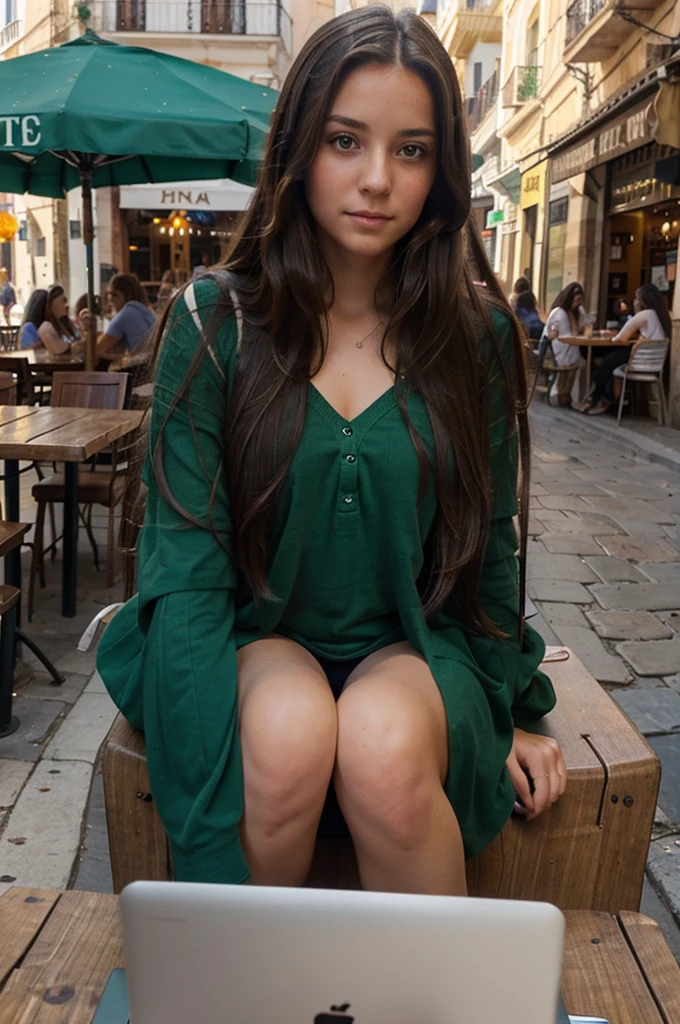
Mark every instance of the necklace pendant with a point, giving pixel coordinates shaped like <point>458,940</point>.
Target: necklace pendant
<point>359,344</point>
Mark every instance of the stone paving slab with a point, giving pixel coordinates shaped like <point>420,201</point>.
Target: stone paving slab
<point>570,568</point>
<point>663,867</point>
<point>662,572</point>
<point>639,528</point>
<point>587,645</point>
<point>13,775</point>
<point>655,711</point>
<point>558,614</point>
<point>628,625</point>
<point>652,906</point>
<point>85,729</point>
<point>56,794</point>
<point>615,570</point>
<point>638,549</point>
<point>93,871</point>
<point>36,719</point>
<point>668,750</point>
<point>631,509</point>
<point>43,688</point>
<point>589,527</point>
<point>652,657</point>
<point>558,590</point>
<point>565,502</point>
<point>569,544</point>
<point>649,597</point>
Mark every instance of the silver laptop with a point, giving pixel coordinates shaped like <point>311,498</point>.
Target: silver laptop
<point>222,954</point>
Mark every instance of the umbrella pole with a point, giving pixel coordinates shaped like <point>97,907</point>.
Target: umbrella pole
<point>90,330</point>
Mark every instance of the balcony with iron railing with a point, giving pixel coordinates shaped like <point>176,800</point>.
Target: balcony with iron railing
<point>483,100</point>
<point>212,17</point>
<point>522,85</point>
<point>466,22</point>
<point>10,34</point>
<point>596,29</point>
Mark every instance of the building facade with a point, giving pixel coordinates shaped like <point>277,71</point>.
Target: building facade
<point>147,230</point>
<point>576,142</point>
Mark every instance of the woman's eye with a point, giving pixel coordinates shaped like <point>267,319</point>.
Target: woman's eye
<point>343,142</point>
<point>412,150</point>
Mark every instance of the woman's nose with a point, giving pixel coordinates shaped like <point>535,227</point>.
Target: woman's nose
<point>375,176</point>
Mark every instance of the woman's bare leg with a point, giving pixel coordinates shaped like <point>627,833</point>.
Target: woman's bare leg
<point>392,760</point>
<point>288,740</point>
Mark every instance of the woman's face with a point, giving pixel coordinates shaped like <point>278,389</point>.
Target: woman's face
<point>59,307</point>
<point>375,164</point>
<point>577,300</point>
<point>638,303</point>
<point>117,299</point>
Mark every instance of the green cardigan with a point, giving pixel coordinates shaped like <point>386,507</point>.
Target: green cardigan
<point>347,551</point>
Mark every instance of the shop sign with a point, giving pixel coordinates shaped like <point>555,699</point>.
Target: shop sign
<point>630,131</point>
<point>494,217</point>
<point>533,186</point>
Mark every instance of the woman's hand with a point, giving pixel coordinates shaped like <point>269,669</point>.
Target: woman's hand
<point>539,759</point>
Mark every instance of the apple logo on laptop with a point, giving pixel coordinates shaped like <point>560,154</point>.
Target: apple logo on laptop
<point>337,1015</point>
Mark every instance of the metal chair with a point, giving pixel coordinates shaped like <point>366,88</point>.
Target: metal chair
<point>645,366</point>
<point>540,361</point>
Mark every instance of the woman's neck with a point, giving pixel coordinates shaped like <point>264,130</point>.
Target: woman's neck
<point>355,281</point>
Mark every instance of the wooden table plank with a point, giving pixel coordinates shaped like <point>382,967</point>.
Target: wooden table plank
<point>11,535</point>
<point>658,965</point>
<point>10,413</point>
<point>22,914</point>
<point>62,977</point>
<point>65,435</point>
<point>600,975</point>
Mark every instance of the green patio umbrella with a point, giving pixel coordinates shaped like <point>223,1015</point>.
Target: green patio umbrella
<point>95,113</point>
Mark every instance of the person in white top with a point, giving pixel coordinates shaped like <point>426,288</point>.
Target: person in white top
<point>565,319</point>
<point>651,322</point>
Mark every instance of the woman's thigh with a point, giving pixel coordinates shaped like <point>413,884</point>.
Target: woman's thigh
<point>288,725</point>
<point>392,730</point>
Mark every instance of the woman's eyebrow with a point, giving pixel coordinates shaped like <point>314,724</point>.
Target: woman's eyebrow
<point>361,126</point>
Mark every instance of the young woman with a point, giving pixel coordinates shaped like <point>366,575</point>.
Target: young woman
<point>565,319</point>
<point>46,322</point>
<point>651,322</point>
<point>527,313</point>
<point>328,584</point>
<point>133,320</point>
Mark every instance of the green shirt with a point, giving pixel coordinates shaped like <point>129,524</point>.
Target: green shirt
<point>348,548</point>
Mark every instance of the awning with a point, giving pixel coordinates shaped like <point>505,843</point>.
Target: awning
<point>508,183</point>
<point>220,194</point>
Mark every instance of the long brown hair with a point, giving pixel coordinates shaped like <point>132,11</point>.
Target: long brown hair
<point>650,297</point>
<point>63,325</point>
<point>439,314</point>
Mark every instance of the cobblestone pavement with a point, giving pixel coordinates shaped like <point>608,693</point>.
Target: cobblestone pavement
<point>604,575</point>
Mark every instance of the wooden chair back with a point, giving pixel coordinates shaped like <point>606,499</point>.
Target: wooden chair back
<point>8,389</point>
<point>9,338</point>
<point>19,366</point>
<point>80,390</point>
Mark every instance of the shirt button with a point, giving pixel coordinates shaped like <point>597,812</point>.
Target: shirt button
<point>347,431</point>
<point>348,499</point>
<point>351,458</point>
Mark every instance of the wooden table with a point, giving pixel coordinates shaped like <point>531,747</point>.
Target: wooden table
<point>56,435</point>
<point>25,362</point>
<point>58,949</point>
<point>598,339</point>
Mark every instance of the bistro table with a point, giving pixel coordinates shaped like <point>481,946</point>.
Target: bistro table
<point>29,361</point>
<point>63,435</point>
<point>598,339</point>
<point>58,950</point>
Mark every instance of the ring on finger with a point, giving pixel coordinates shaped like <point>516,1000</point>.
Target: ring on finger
<point>546,776</point>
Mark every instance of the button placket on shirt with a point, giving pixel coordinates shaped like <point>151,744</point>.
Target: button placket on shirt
<point>349,477</point>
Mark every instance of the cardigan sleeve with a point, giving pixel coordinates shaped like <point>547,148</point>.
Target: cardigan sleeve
<point>531,693</point>
<point>187,686</point>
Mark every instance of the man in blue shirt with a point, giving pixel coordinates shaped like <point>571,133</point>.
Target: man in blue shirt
<point>133,320</point>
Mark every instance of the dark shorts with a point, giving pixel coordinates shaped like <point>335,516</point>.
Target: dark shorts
<point>338,672</point>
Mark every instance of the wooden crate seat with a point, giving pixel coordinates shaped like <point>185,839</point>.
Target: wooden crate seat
<point>587,852</point>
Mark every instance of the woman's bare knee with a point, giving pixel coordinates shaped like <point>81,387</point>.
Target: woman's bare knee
<point>288,734</point>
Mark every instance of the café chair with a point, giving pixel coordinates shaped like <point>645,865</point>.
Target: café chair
<point>9,338</point>
<point>645,366</point>
<point>96,486</point>
<point>8,389</point>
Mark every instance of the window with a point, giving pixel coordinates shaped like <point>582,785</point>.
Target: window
<point>477,84</point>
<point>532,45</point>
<point>75,229</point>
<point>40,246</point>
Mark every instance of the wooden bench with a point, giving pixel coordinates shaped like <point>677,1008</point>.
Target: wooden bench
<point>587,852</point>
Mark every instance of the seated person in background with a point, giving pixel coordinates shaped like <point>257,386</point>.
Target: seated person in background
<point>166,291</point>
<point>47,323</point>
<point>34,314</point>
<point>8,296</point>
<point>651,322</point>
<point>622,312</point>
<point>82,307</point>
<point>520,287</point>
<point>565,319</point>
<point>133,319</point>
<point>527,313</point>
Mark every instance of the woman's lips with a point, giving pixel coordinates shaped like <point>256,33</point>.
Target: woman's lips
<point>369,220</point>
